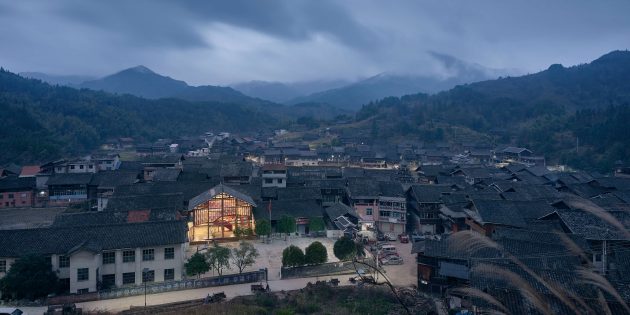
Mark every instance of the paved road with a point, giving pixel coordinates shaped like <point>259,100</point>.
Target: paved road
<point>117,305</point>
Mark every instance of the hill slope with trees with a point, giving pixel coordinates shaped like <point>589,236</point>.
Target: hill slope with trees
<point>547,111</point>
<point>39,122</point>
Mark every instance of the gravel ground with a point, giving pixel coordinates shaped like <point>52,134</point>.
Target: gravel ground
<point>271,254</point>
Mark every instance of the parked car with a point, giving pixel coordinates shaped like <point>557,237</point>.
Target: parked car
<point>392,260</point>
<point>390,237</point>
<point>11,311</point>
<point>404,238</point>
<point>388,249</point>
<point>387,254</point>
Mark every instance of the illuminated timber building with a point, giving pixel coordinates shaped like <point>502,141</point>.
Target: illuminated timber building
<point>217,213</point>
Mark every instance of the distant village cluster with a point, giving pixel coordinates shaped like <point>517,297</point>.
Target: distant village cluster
<point>133,207</point>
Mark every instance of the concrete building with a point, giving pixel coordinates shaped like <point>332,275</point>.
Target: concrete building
<point>88,258</point>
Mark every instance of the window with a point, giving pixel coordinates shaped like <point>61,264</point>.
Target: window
<point>148,276</point>
<point>109,258</point>
<point>268,181</point>
<point>109,281</point>
<point>83,291</point>
<point>129,256</point>
<point>71,167</point>
<point>3,266</point>
<point>10,196</point>
<point>80,166</point>
<point>368,211</point>
<point>169,253</point>
<point>1,196</point>
<point>64,261</point>
<point>91,166</point>
<point>598,257</point>
<point>83,274</point>
<point>148,254</point>
<point>129,278</point>
<point>169,274</point>
<point>384,213</point>
<point>279,180</point>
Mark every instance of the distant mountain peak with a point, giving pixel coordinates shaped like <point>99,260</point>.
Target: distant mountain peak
<point>140,69</point>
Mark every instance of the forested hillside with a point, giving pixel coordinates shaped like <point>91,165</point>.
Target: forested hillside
<point>41,122</point>
<point>551,112</point>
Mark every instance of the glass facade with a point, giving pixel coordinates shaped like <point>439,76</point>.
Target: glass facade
<point>220,216</point>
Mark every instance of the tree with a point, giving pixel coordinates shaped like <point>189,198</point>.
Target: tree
<point>219,258</point>
<point>29,277</point>
<point>196,265</point>
<point>316,224</point>
<point>316,253</point>
<point>244,255</point>
<point>292,256</point>
<point>286,225</point>
<point>240,232</point>
<point>345,248</point>
<point>263,227</point>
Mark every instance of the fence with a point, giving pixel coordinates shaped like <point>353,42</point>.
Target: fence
<point>245,277</point>
<point>326,269</point>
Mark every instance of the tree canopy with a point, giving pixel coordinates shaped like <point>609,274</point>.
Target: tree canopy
<point>316,224</point>
<point>287,225</point>
<point>30,277</point>
<point>315,253</point>
<point>219,258</point>
<point>345,248</point>
<point>196,265</point>
<point>263,227</point>
<point>292,256</point>
<point>243,256</point>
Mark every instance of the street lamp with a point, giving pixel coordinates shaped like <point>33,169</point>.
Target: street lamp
<point>144,279</point>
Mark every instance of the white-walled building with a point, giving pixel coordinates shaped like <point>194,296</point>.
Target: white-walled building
<point>88,258</point>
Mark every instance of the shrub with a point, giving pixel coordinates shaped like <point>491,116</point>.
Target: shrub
<point>316,253</point>
<point>292,256</point>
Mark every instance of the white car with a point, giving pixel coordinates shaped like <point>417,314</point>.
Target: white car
<point>392,260</point>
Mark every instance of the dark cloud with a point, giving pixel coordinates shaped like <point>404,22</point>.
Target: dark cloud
<point>206,42</point>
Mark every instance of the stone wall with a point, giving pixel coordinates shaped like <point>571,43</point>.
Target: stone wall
<point>159,287</point>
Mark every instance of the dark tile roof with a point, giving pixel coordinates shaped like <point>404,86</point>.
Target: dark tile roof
<point>618,183</point>
<point>111,217</point>
<point>339,209</point>
<point>361,187</point>
<point>218,189</point>
<point>166,174</point>
<point>161,159</point>
<point>429,193</point>
<point>391,189</point>
<point>592,227</point>
<point>294,208</point>
<point>70,179</point>
<point>172,201</point>
<point>188,189</point>
<point>299,193</point>
<point>114,178</point>
<point>15,243</point>
<point>586,190</point>
<point>13,183</point>
<point>498,212</point>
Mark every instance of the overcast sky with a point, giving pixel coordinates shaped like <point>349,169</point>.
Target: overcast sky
<point>222,42</point>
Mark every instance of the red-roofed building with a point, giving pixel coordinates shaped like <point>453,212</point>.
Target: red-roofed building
<point>137,216</point>
<point>29,171</point>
